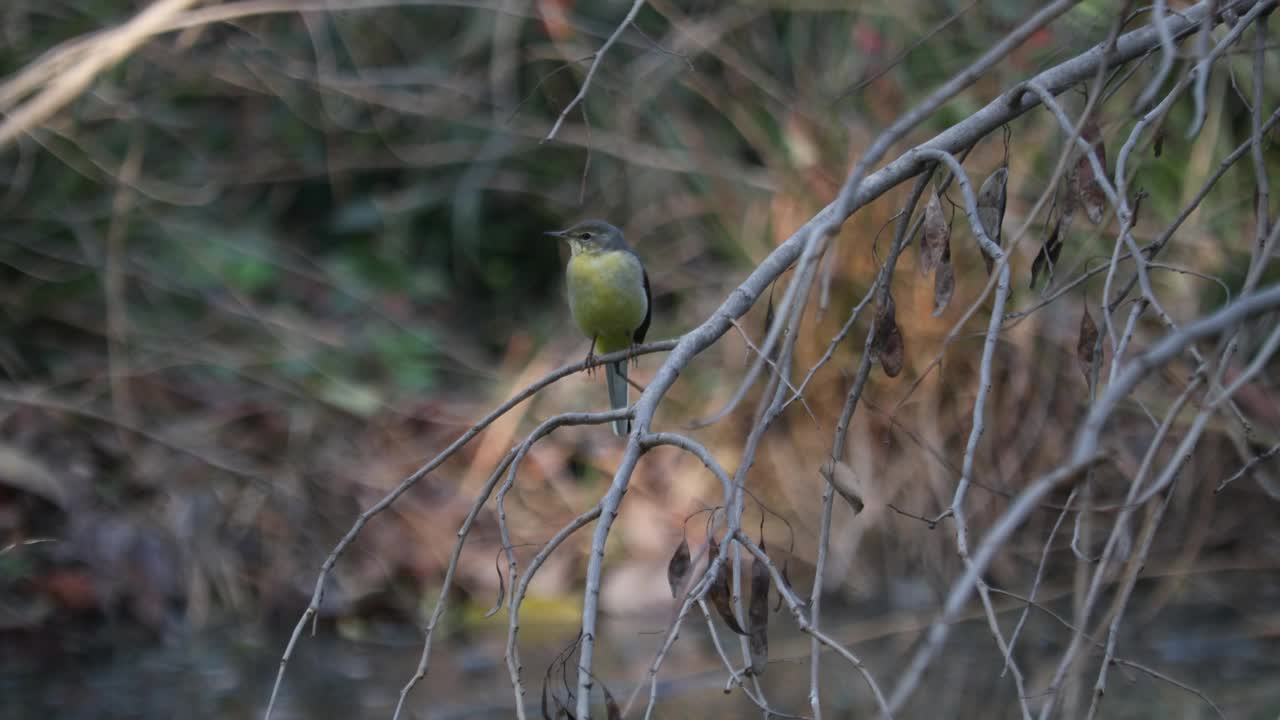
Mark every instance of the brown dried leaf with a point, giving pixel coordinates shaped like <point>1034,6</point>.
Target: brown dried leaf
<point>935,241</point>
<point>1084,184</point>
<point>1047,258</point>
<point>719,593</point>
<point>758,616</point>
<point>944,286</point>
<point>845,482</point>
<point>1085,344</point>
<point>991,204</point>
<point>678,568</point>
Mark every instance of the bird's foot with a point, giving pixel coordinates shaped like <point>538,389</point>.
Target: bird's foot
<point>591,363</point>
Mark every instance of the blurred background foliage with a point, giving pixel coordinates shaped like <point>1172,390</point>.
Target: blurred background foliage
<point>266,266</point>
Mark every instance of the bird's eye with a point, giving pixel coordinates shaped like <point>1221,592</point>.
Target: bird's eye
<point>585,236</point>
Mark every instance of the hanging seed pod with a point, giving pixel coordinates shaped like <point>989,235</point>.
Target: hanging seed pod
<point>991,203</point>
<point>1085,344</point>
<point>1085,185</point>
<point>888,340</point>
<point>768,313</point>
<point>720,595</point>
<point>1047,258</point>
<point>935,241</point>
<point>844,482</point>
<point>678,568</point>
<point>758,615</point>
<point>886,317</point>
<point>891,356</point>
<point>545,714</point>
<point>611,709</point>
<point>786,578</point>
<point>944,286</point>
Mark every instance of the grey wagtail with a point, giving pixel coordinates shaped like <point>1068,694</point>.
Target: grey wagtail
<point>609,298</point>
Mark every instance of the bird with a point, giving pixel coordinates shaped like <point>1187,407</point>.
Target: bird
<point>609,299</point>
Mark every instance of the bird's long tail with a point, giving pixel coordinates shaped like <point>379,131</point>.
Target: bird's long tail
<point>616,375</point>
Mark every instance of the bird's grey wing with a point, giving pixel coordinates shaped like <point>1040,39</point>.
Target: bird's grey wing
<point>648,309</point>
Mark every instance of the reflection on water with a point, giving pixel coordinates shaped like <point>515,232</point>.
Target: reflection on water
<point>227,673</point>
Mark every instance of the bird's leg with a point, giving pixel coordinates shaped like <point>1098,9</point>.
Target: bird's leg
<point>635,359</point>
<point>591,357</point>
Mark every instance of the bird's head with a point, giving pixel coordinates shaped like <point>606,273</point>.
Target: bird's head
<point>591,236</point>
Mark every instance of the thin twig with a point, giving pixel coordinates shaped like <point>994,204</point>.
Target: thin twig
<point>595,65</point>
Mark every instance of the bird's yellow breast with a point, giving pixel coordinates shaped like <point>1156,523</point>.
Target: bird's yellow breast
<point>606,297</point>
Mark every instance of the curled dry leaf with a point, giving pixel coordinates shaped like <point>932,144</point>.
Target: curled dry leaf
<point>991,203</point>
<point>758,616</point>
<point>844,482</point>
<point>944,286</point>
<point>1085,186</point>
<point>678,568</point>
<point>1085,344</point>
<point>935,241</point>
<point>720,596</point>
<point>1047,258</point>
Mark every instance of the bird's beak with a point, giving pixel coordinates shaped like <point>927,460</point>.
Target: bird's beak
<point>556,233</point>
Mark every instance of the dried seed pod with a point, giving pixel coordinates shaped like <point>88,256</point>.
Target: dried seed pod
<point>720,595</point>
<point>785,579</point>
<point>768,314</point>
<point>758,615</point>
<point>886,317</point>
<point>678,568</point>
<point>1085,344</point>
<point>991,203</point>
<point>1085,185</point>
<point>844,481</point>
<point>1047,258</point>
<point>611,709</point>
<point>888,340</point>
<point>944,286</point>
<point>545,714</point>
<point>935,241</point>
<point>891,355</point>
